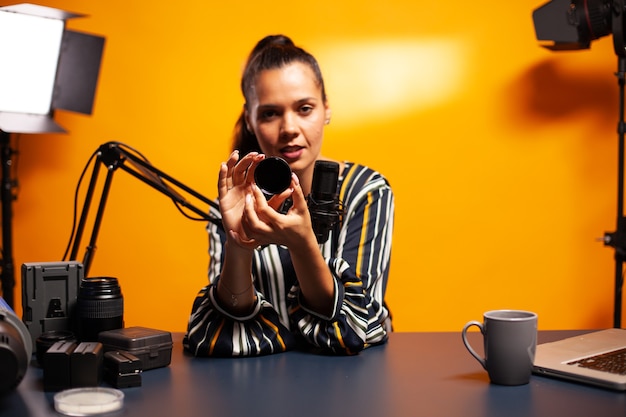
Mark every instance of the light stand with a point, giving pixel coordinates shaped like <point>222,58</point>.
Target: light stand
<point>114,155</point>
<point>617,239</point>
<point>8,274</point>
<point>571,25</point>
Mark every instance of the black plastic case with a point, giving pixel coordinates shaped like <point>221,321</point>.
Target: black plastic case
<point>153,347</point>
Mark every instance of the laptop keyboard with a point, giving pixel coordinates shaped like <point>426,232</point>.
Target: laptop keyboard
<point>613,362</point>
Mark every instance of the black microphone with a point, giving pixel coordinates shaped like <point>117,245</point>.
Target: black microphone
<point>323,202</point>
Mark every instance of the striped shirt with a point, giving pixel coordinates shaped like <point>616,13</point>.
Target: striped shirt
<point>357,254</point>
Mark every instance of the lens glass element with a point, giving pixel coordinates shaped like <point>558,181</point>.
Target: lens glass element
<point>272,175</point>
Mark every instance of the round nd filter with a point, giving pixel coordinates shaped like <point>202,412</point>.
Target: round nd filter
<point>272,175</point>
<point>88,401</point>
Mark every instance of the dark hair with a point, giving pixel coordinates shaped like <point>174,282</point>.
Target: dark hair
<point>271,52</point>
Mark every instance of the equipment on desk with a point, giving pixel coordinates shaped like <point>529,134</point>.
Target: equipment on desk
<point>49,293</point>
<point>69,364</point>
<point>16,348</point>
<point>122,369</point>
<point>99,307</point>
<point>119,357</point>
<point>597,358</point>
<point>56,297</point>
<point>152,347</point>
<point>88,401</point>
<point>47,340</point>
<point>76,320</point>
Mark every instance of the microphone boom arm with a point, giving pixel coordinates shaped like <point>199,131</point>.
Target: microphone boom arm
<point>114,156</point>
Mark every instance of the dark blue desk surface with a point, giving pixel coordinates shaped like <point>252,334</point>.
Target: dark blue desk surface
<point>415,374</point>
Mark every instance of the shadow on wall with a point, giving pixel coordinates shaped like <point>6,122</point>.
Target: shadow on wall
<point>552,92</point>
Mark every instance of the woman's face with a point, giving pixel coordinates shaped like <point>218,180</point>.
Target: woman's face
<point>287,114</point>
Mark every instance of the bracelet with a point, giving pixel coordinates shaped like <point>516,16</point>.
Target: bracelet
<point>234,300</point>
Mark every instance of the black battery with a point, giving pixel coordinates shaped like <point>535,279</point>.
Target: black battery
<point>153,347</point>
<point>86,366</point>
<point>122,369</point>
<point>57,373</point>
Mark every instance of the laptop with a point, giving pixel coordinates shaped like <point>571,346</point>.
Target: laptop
<point>593,358</point>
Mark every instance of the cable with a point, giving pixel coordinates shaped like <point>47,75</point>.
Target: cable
<point>76,192</point>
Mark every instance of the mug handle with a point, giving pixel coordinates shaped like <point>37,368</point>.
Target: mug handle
<point>467,344</point>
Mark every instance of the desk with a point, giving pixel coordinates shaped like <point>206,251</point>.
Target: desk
<point>415,374</point>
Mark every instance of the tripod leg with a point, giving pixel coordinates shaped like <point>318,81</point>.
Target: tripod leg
<point>8,273</point>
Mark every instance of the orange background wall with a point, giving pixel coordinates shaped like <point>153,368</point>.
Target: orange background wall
<point>502,155</point>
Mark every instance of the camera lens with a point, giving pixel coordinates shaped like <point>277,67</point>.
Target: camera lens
<point>99,307</point>
<point>16,348</point>
<point>272,175</point>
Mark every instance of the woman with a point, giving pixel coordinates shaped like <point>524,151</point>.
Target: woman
<point>273,287</point>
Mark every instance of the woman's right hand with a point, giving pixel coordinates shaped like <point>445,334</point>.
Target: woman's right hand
<point>235,179</point>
